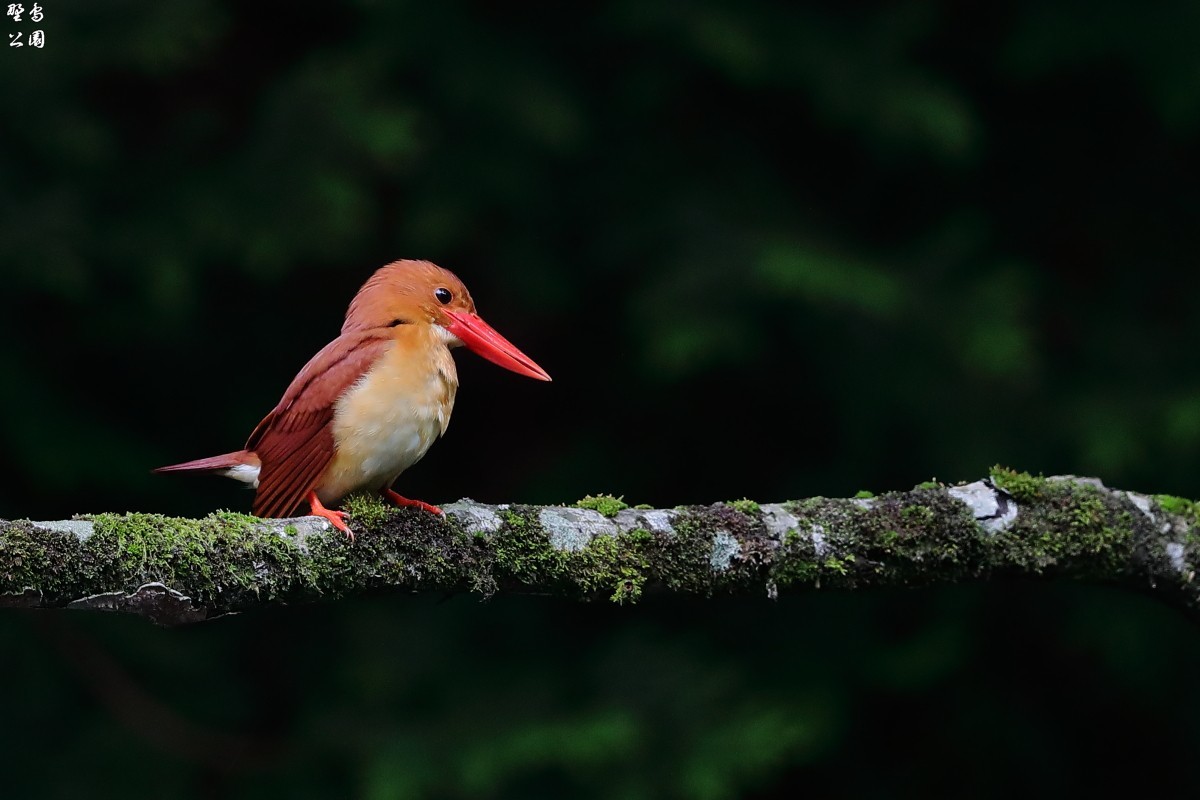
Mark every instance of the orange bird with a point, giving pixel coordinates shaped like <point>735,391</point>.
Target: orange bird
<point>372,401</point>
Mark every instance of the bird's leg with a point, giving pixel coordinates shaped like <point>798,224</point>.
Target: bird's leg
<point>404,502</point>
<point>337,518</point>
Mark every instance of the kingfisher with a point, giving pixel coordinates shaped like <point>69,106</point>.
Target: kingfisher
<point>370,403</point>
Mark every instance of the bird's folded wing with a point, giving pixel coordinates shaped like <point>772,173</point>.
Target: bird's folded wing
<point>295,441</point>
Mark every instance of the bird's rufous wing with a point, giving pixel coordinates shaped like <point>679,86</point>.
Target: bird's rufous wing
<point>295,441</point>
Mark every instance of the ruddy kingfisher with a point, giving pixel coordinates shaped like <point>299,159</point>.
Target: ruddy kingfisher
<point>371,402</point>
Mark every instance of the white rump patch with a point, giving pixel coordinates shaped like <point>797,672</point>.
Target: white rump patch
<point>244,473</point>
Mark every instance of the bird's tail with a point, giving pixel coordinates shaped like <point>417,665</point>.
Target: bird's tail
<point>242,465</point>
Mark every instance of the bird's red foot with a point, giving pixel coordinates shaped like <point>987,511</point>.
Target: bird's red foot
<point>336,518</point>
<point>404,502</point>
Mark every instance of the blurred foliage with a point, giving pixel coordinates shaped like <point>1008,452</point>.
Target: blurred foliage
<point>767,250</point>
<point>1004,691</point>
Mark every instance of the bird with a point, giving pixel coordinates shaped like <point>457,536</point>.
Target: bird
<point>370,403</point>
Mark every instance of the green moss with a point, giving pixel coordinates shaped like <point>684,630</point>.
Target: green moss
<point>863,494</point>
<point>839,566</point>
<point>1065,524</point>
<point>1176,505</point>
<point>1023,487</point>
<point>640,536</point>
<point>928,485</point>
<point>608,563</point>
<point>682,561</point>
<point>644,507</point>
<point>746,506</point>
<point>917,515</point>
<point>522,552</point>
<point>217,556</point>
<point>1071,526</point>
<point>606,504</point>
<point>899,538</point>
<point>230,560</point>
<point>795,564</point>
<point>367,510</point>
<point>1189,510</point>
<point>410,550</point>
<point>513,519</point>
<point>47,561</point>
<point>611,566</point>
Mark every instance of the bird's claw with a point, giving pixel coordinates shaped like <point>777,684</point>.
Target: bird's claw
<point>404,502</point>
<point>336,518</point>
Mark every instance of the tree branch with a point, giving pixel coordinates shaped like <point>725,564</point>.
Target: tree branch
<point>175,570</point>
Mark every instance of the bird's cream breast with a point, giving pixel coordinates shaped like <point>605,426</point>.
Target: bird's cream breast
<point>385,422</point>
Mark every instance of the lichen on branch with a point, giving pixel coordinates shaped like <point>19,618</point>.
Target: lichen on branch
<point>176,570</point>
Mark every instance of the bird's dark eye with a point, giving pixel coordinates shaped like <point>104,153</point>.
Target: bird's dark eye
<point>443,295</point>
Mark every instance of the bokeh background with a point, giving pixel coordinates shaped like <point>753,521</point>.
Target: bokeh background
<point>767,249</point>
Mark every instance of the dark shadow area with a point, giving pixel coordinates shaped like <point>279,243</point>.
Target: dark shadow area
<point>1009,689</point>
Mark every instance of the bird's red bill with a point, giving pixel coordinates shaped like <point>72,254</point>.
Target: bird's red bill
<point>483,339</point>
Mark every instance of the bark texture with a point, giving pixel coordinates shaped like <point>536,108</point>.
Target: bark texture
<point>174,570</point>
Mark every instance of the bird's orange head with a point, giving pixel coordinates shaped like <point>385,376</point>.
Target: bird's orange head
<point>422,293</point>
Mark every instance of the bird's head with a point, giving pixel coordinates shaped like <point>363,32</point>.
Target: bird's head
<point>422,293</point>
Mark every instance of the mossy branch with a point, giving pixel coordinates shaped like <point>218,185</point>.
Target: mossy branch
<point>1011,524</point>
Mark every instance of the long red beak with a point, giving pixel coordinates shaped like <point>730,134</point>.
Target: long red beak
<point>483,339</point>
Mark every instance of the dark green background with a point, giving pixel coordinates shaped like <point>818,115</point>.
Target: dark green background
<point>770,250</point>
